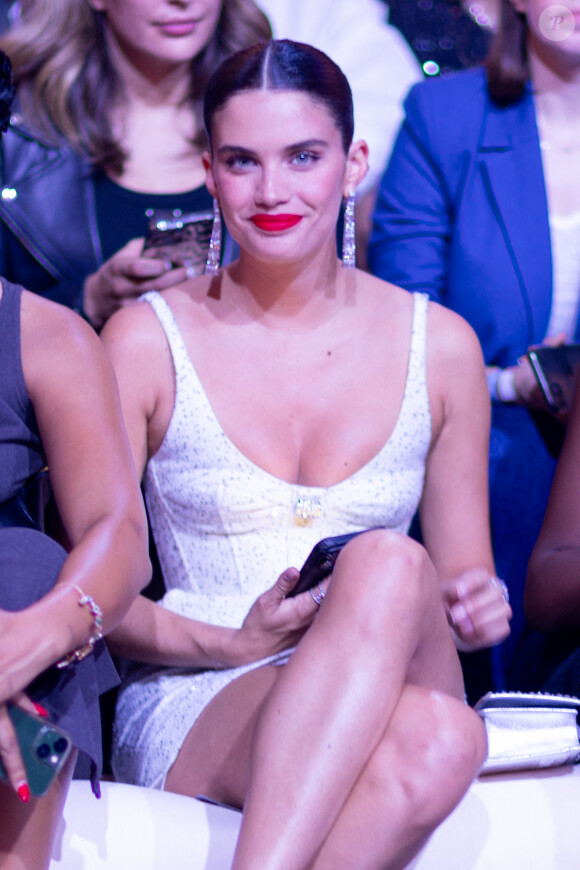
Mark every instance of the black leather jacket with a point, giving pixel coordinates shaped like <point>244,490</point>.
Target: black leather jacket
<point>49,239</point>
<point>48,230</point>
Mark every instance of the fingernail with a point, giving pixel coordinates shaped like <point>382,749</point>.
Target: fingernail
<point>42,711</point>
<point>23,792</point>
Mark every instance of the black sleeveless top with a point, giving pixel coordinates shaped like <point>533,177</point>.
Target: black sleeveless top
<point>30,561</point>
<point>21,453</point>
<point>124,214</point>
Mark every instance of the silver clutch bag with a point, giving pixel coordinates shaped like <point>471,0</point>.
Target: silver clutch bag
<point>529,730</point>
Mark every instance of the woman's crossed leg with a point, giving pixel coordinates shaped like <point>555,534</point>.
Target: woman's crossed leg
<point>350,755</point>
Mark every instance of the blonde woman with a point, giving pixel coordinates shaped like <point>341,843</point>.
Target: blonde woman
<point>108,128</point>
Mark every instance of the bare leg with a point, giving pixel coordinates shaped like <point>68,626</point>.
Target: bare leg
<point>341,712</point>
<point>381,626</point>
<point>432,749</point>
<point>27,831</point>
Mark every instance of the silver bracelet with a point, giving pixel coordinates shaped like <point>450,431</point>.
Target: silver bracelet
<point>501,384</point>
<point>505,386</point>
<point>492,374</point>
<point>77,655</point>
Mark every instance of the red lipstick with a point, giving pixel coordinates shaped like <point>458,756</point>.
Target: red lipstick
<point>275,223</point>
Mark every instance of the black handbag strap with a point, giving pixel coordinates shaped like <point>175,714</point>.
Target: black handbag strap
<point>26,507</point>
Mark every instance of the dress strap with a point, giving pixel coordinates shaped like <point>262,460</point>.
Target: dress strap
<point>179,354</point>
<point>416,372</point>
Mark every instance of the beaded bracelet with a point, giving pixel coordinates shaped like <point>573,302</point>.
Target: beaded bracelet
<point>77,655</point>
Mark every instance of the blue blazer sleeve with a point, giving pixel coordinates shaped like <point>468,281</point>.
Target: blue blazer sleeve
<point>413,217</point>
<point>462,212</point>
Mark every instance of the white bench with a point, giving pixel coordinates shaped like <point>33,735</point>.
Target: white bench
<point>525,821</point>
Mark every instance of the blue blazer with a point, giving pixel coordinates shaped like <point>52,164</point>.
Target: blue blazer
<point>462,212</point>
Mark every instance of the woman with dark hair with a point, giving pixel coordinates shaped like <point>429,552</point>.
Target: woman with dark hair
<point>281,401</point>
<point>480,207</point>
<point>56,605</point>
<point>108,130</point>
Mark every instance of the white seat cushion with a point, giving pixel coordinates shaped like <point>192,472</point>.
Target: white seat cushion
<point>525,821</point>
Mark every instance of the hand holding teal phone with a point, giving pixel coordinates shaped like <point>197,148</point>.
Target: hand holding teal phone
<point>44,749</point>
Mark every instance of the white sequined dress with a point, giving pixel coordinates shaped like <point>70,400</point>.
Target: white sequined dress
<point>225,529</point>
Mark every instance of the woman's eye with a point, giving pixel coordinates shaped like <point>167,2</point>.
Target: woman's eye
<point>304,158</point>
<point>239,162</point>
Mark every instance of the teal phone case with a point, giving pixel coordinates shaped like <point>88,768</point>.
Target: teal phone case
<point>44,749</point>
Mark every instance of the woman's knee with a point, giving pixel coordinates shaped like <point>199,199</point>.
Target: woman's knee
<point>458,746</point>
<point>430,755</point>
<point>391,569</point>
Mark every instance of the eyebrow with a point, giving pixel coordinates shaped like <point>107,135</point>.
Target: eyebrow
<point>297,146</point>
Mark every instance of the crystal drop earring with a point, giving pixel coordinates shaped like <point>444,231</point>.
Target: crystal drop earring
<point>212,265</point>
<point>348,237</point>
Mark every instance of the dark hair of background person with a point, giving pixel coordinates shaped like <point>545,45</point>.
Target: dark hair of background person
<point>507,66</point>
<point>446,35</point>
<point>284,65</point>
<point>6,91</point>
<point>67,84</point>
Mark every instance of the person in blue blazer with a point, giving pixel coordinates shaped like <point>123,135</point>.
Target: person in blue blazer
<point>480,207</point>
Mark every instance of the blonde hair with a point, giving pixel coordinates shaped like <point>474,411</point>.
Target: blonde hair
<point>67,85</point>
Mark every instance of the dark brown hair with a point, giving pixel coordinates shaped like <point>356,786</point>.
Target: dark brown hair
<point>508,68</point>
<point>6,91</point>
<point>286,66</point>
<point>67,84</point>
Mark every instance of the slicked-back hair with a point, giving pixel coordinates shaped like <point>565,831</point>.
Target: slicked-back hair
<point>68,87</point>
<point>283,65</point>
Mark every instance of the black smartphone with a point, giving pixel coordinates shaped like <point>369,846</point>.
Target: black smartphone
<point>180,239</point>
<point>44,749</point>
<point>320,562</point>
<point>555,369</point>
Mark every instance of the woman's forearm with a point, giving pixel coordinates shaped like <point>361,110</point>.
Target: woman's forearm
<point>552,595</point>
<point>152,634</point>
<point>110,566</point>
<point>110,563</point>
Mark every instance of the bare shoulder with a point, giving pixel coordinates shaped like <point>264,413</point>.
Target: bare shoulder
<point>137,347</point>
<point>48,322</point>
<point>133,327</point>
<point>56,344</point>
<point>451,339</point>
<point>135,341</point>
<point>455,369</point>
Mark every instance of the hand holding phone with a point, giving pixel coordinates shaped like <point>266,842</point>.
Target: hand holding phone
<point>44,749</point>
<point>555,369</point>
<point>320,562</point>
<point>180,240</point>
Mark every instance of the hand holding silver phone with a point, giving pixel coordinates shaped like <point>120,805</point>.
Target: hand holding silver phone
<point>180,239</point>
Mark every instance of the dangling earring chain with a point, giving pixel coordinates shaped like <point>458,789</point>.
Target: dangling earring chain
<point>212,265</point>
<point>348,237</point>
